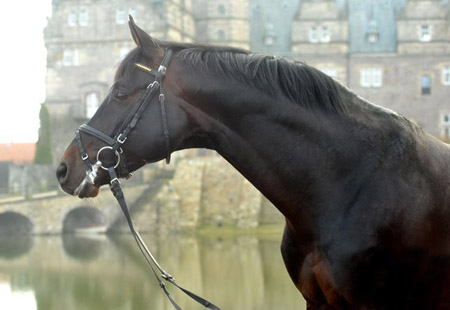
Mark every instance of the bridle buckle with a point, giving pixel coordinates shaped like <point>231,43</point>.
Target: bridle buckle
<point>121,140</point>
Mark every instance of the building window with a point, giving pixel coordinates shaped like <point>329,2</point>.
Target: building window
<point>132,12</point>
<point>425,33</point>
<point>72,19</point>
<point>221,9</point>
<point>319,34</point>
<point>221,34</point>
<point>92,103</point>
<point>121,16</point>
<point>445,126</point>
<point>371,77</point>
<point>270,36</point>
<point>71,58</point>
<point>426,84</point>
<point>313,35</point>
<point>373,32</point>
<point>83,19</point>
<point>446,75</point>
<point>325,35</point>
<point>446,119</point>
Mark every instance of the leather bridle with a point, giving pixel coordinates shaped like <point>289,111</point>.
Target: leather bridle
<point>114,144</point>
<point>119,168</point>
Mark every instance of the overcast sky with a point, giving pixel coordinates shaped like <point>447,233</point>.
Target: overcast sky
<point>22,64</point>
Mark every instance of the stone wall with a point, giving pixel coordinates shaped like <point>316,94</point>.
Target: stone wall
<point>29,179</point>
<point>208,191</point>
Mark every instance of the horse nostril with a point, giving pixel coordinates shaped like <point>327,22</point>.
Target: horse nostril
<point>61,173</point>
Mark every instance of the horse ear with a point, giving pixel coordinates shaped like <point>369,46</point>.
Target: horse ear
<point>142,38</point>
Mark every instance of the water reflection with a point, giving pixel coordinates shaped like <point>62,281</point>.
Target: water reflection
<point>74,273</point>
<point>84,247</point>
<point>15,246</point>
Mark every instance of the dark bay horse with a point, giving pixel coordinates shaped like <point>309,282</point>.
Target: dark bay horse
<point>365,192</point>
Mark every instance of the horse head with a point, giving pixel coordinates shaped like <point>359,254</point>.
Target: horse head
<point>133,125</point>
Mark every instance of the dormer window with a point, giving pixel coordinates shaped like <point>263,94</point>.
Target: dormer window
<point>373,34</point>
<point>270,37</point>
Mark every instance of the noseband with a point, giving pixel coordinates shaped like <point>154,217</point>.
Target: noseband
<point>119,168</point>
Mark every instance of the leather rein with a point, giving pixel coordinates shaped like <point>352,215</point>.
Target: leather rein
<point>119,168</point>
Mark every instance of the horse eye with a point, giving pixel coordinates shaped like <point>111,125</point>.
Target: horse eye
<point>121,96</point>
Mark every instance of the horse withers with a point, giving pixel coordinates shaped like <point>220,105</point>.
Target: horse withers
<point>365,192</point>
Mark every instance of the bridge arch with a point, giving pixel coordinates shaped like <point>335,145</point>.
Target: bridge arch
<point>13,223</point>
<point>15,234</point>
<point>84,219</point>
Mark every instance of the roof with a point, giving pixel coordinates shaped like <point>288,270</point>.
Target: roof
<point>17,153</point>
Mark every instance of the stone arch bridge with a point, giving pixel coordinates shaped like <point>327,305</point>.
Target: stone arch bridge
<point>200,192</point>
<point>64,213</point>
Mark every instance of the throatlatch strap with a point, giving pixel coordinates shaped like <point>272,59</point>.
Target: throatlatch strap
<point>118,193</point>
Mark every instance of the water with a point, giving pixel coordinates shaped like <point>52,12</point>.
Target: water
<point>104,272</point>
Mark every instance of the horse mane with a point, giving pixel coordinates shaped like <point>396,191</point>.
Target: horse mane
<point>299,82</point>
<point>296,80</point>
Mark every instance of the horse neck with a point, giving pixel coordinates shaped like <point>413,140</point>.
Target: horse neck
<point>279,146</point>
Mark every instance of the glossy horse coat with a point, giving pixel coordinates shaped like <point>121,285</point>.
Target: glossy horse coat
<point>365,192</point>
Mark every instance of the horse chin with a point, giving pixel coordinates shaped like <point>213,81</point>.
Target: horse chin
<point>86,189</point>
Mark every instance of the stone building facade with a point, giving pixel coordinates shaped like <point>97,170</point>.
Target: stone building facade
<point>223,22</point>
<point>394,53</point>
<point>85,42</point>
